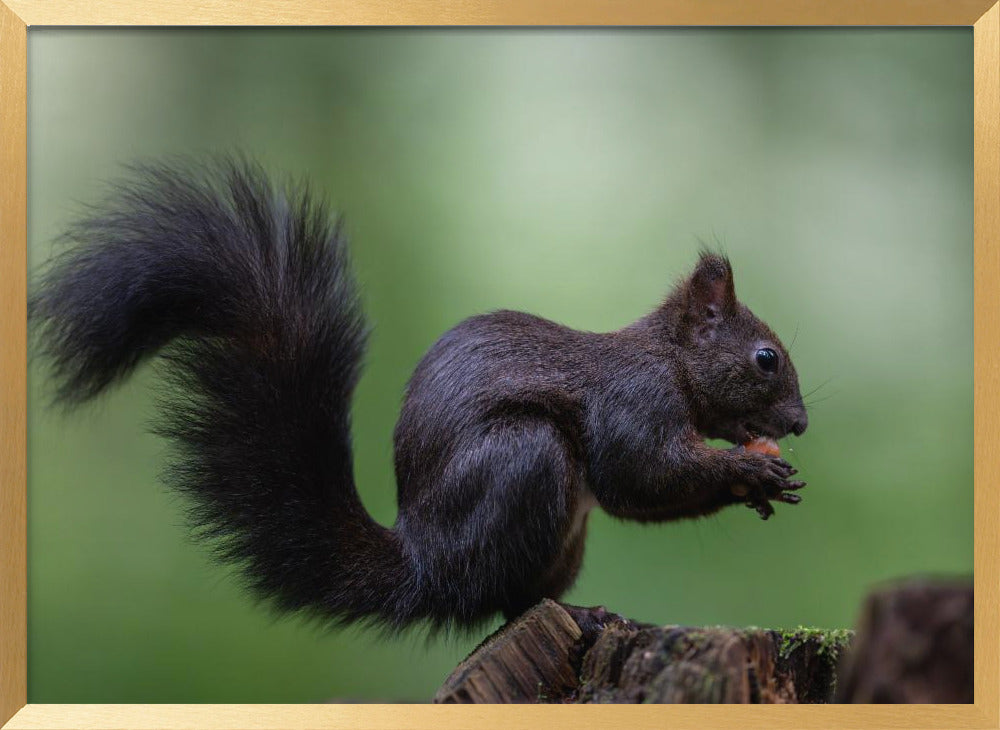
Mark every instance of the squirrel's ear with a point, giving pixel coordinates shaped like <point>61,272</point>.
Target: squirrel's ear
<point>711,295</point>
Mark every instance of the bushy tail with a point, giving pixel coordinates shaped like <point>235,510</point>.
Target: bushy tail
<point>248,289</point>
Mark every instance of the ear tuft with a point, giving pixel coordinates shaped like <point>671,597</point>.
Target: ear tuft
<point>710,291</point>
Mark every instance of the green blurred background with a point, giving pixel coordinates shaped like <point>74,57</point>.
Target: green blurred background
<point>570,174</point>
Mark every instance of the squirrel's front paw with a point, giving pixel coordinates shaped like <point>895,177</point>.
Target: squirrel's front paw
<point>766,478</point>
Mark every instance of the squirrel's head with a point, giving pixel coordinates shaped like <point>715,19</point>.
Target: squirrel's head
<point>742,381</point>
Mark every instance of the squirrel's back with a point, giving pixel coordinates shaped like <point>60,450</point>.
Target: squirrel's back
<point>488,368</point>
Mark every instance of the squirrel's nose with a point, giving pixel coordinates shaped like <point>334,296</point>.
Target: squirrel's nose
<point>799,427</point>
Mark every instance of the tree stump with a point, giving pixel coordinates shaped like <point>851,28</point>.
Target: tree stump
<point>914,644</point>
<point>549,655</point>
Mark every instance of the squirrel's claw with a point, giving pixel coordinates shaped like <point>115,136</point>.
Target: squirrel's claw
<point>763,507</point>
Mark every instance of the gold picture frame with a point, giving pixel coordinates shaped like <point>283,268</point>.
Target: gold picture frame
<point>17,16</point>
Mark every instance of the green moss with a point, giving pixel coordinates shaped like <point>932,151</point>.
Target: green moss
<point>831,641</point>
<point>696,639</point>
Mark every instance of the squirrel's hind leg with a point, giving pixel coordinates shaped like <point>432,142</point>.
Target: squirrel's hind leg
<point>494,537</point>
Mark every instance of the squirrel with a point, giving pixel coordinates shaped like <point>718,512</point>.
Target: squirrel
<point>511,430</point>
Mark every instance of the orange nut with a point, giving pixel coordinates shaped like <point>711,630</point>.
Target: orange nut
<point>763,445</point>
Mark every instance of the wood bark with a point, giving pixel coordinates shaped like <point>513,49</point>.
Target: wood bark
<point>914,645</point>
<point>547,655</point>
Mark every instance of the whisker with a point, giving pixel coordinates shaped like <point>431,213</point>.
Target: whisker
<point>820,400</point>
<point>821,385</point>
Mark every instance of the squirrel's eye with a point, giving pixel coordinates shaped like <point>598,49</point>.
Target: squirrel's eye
<point>767,359</point>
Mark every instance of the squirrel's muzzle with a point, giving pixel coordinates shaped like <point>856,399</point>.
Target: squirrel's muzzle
<point>799,418</point>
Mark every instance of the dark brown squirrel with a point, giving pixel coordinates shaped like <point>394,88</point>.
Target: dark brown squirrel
<point>512,427</point>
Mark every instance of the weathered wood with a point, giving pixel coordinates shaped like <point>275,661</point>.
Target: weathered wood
<point>527,660</point>
<point>914,644</point>
<point>718,665</point>
<point>545,656</point>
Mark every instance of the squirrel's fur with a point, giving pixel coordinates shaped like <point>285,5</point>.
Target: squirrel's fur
<point>511,429</point>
